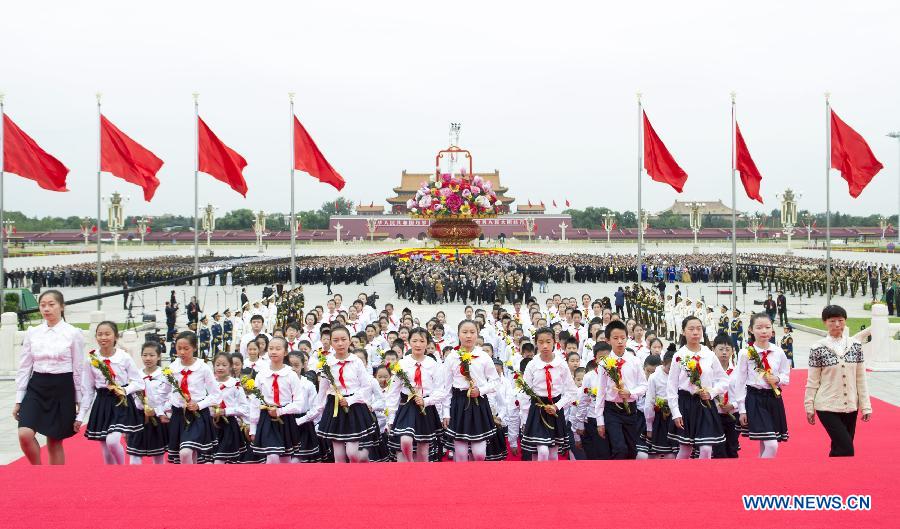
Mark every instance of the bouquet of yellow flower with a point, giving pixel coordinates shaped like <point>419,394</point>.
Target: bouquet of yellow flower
<point>251,389</point>
<point>465,362</point>
<point>691,364</point>
<point>762,366</point>
<point>613,368</point>
<point>523,386</point>
<point>398,372</point>
<point>170,378</point>
<point>661,405</point>
<point>325,369</point>
<point>110,378</point>
<point>146,403</point>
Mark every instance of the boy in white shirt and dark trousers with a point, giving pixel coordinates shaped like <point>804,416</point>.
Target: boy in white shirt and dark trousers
<point>616,406</point>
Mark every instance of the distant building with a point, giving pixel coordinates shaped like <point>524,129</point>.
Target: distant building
<point>371,209</point>
<point>530,209</point>
<point>682,208</point>
<point>411,182</point>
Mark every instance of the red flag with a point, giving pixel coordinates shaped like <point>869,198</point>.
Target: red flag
<point>308,158</point>
<point>148,229</point>
<point>554,203</point>
<point>614,225</point>
<point>127,159</point>
<point>658,162</point>
<point>567,202</point>
<point>851,155</point>
<point>220,161</point>
<point>24,157</point>
<point>750,176</point>
<point>94,229</point>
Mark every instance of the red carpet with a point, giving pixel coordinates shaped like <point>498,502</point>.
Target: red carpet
<point>523,494</point>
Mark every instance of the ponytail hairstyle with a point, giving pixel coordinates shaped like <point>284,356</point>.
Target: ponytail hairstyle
<point>58,297</point>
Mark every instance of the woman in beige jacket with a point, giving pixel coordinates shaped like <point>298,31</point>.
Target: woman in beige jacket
<point>836,384</point>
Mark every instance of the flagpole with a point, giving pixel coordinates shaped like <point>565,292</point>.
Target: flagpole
<point>196,96</point>
<point>292,223</point>
<point>733,206</point>
<point>2,229</point>
<point>639,174</point>
<point>827,198</point>
<point>99,226</point>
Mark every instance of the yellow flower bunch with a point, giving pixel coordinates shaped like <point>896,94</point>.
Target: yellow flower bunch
<point>166,371</point>
<point>95,362</point>
<point>395,367</point>
<point>466,357</point>
<point>594,391</point>
<point>692,364</point>
<point>610,362</point>
<point>248,383</point>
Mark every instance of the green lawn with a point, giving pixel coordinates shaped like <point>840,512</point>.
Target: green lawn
<point>854,324</point>
<point>86,326</point>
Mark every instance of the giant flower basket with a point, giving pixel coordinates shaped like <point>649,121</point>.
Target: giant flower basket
<point>453,202</point>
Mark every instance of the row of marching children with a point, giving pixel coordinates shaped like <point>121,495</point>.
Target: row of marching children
<point>427,404</point>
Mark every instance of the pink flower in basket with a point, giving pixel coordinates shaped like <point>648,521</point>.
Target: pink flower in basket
<point>454,202</point>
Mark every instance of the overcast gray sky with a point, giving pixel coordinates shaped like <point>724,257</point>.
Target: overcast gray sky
<point>545,92</point>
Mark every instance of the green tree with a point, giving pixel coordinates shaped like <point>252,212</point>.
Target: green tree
<point>237,219</point>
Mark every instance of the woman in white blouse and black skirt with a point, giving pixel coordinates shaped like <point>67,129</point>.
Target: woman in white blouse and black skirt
<point>836,388</point>
<point>48,383</point>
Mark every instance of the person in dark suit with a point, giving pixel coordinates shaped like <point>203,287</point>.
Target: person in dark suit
<point>781,304</point>
<point>770,307</point>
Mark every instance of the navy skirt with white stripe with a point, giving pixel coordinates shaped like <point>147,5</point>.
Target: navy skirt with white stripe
<point>471,419</point>
<point>541,428</point>
<point>496,445</point>
<point>149,441</point>
<point>766,420</point>
<point>410,422</point>
<point>107,416</point>
<point>278,438</point>
<point>659,442</point>
<point>199,435</point>
<point>701,422</point>
<point>352,425</point>
<point>231,442</point>
<point>48,407</point>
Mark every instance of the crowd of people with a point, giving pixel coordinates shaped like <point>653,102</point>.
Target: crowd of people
<point>345,381</point>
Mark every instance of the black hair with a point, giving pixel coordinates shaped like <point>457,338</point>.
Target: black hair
<point>602,346</point>
<point>340,328</point>
<point>527,346</point>
<point>523,364</point>
<point>257,317</point>
<point>667,358</point>
<point>112,325</point>
<point>833,311</point>
<point>723,339</point>
<point>613,325</point>
<point>227,358</point>
<point>759,315</point>
<point>239,356</point>
<point>544,330</point>
<point>265,339</point>
<point>590,366</point>
<point>652,361</point>
<point>57,295</point>
<point>463,322</point>
<point>190,336</point>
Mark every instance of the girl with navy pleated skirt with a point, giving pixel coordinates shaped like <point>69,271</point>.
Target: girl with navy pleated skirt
<point>112,412</point>
<point>346,420</point>
<point>757,388</point>
<point>277,434</point>
<point>192,434</point>
<point>153,439</point>
<point>723,348</point>
<point>228,413</point>
<point>695,416</point>
<point>379,452</point>
<point>416,423</point>
<point>546,433</point>
<point>469,376</point>
<point>657,443</point>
